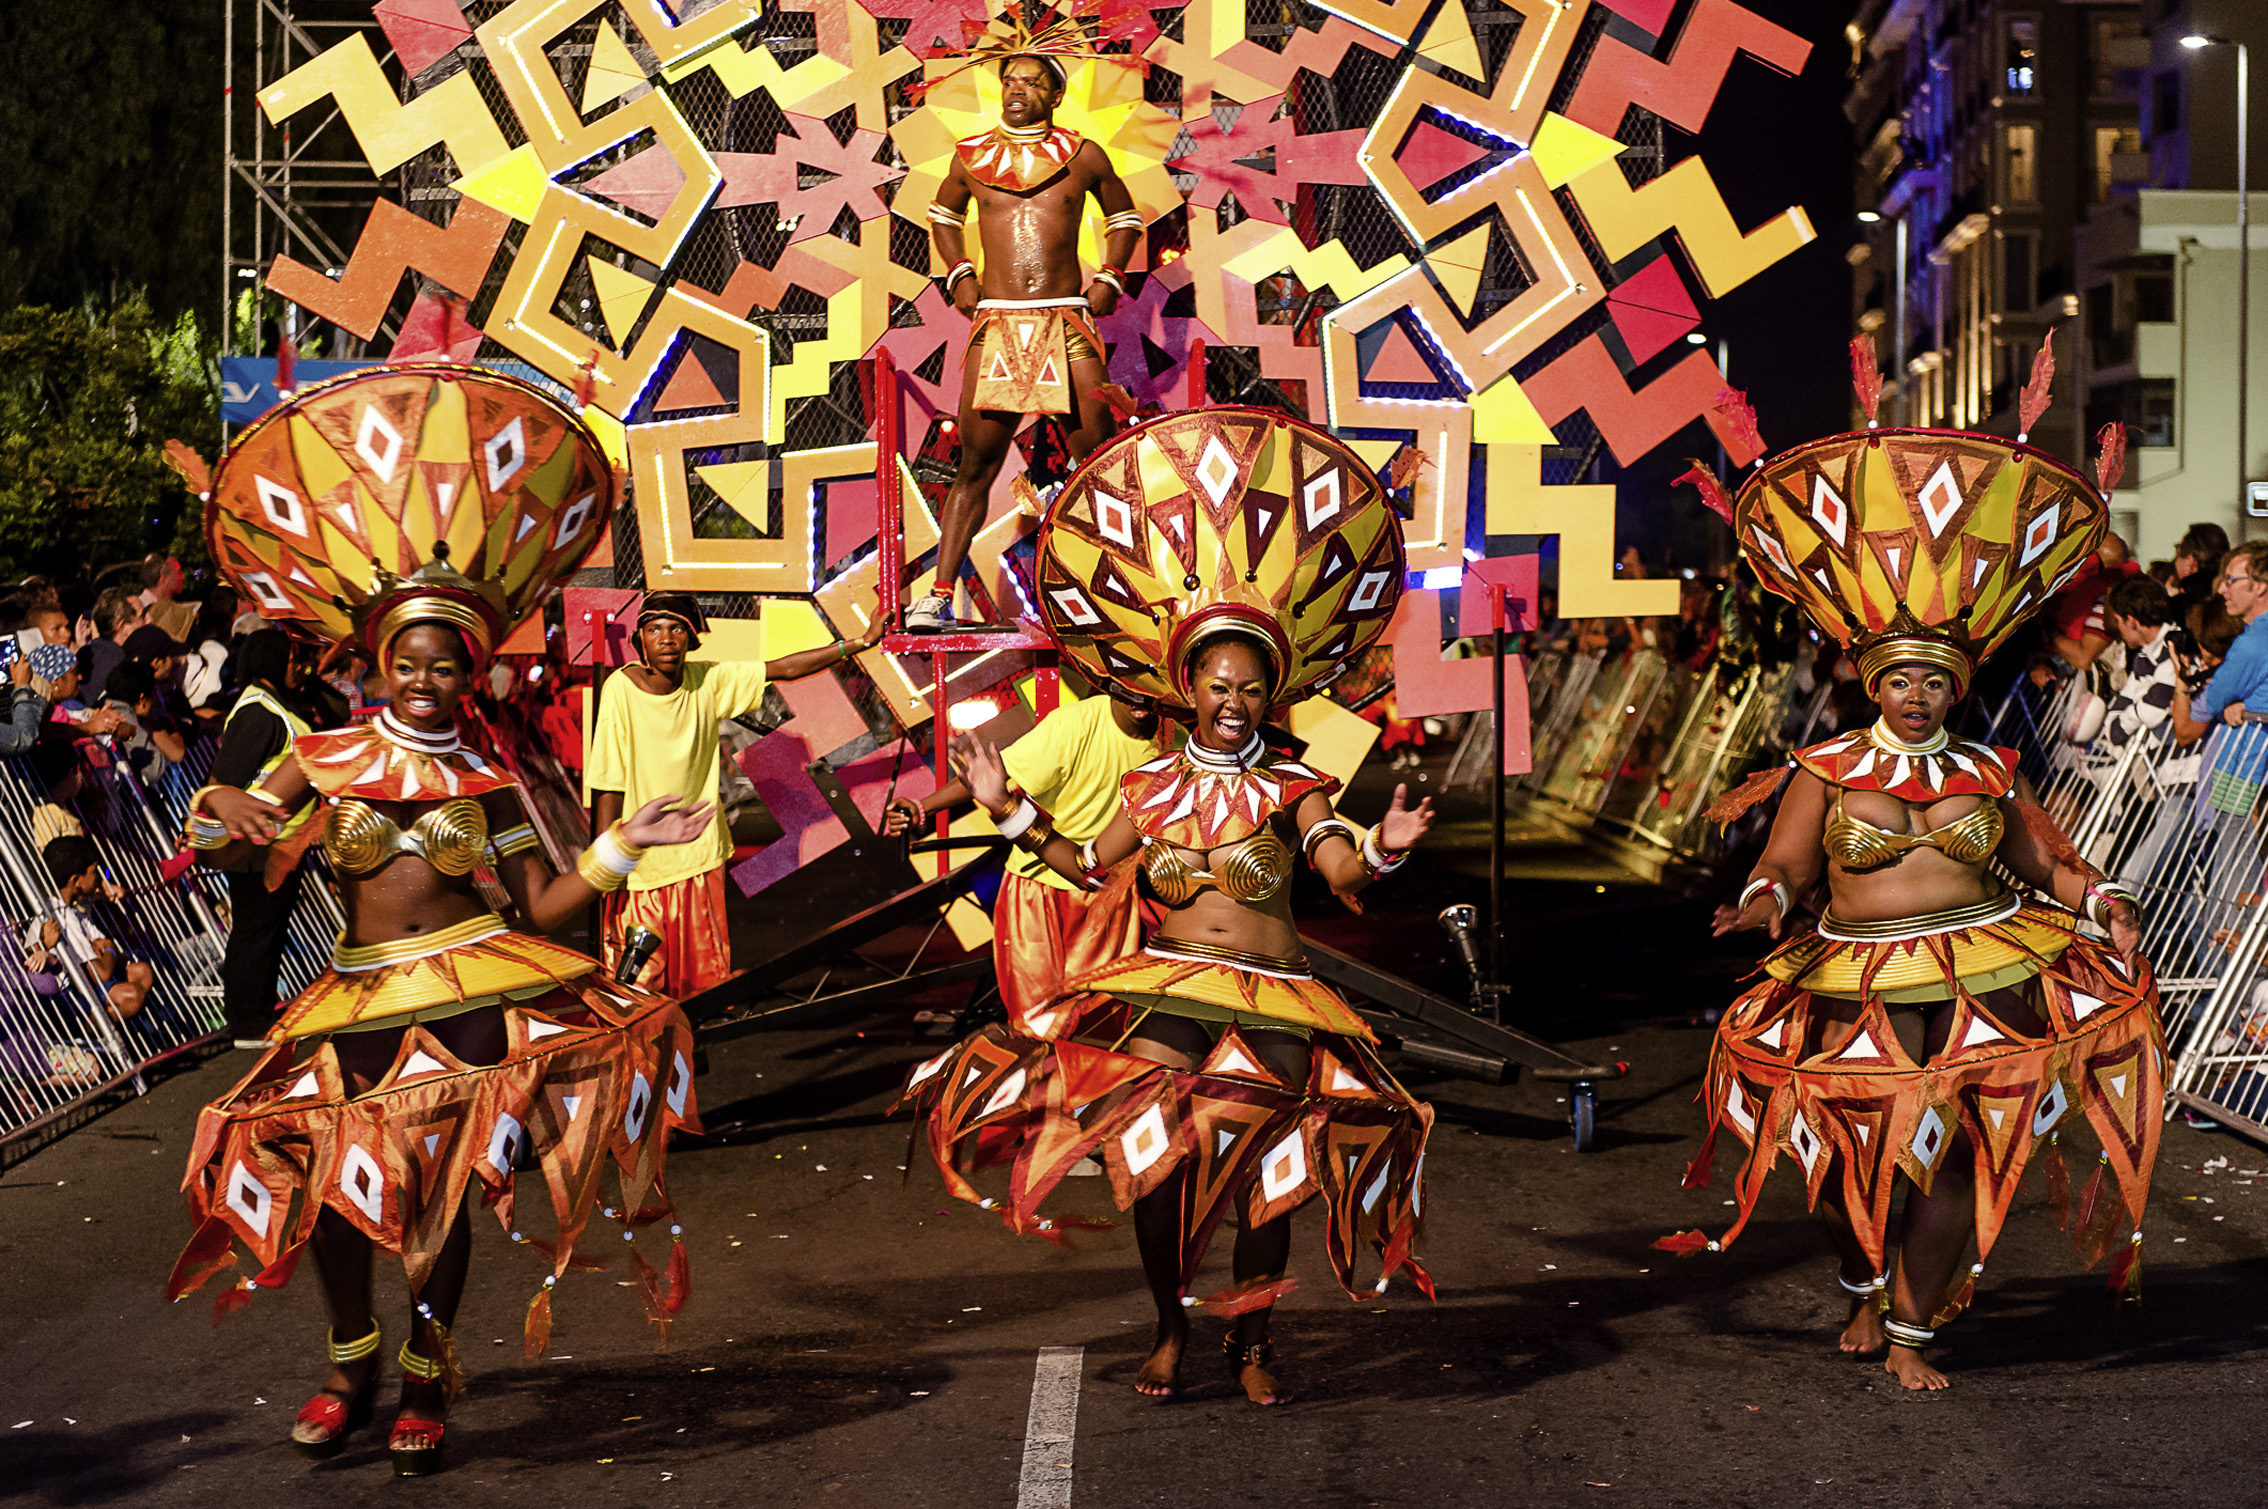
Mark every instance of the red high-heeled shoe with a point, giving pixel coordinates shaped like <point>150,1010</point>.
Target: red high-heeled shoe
<point>415,1444</point>
<point>324,1422</point>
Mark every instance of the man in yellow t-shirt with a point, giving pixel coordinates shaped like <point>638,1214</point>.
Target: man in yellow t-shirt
<point>656,735</point>
<point>1044,930</point>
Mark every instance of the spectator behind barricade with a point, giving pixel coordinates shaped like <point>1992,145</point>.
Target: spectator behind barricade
<point>161,580</point>
<point>75,866</point>
<point>163,654</point>
<point>2197,563</point>
<point>116,615</point>
<point>42,686</point>
<point>2138,611</point>
<point>209,639</point>
<point>2075,626</point>
<point>145,738</point>
<point>2242,680</point>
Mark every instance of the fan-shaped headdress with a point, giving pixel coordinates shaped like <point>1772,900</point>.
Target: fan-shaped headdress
<point>402,495</point>
<point>1926,547</point>
<point>1056,41</point>
<point>1219,521</point>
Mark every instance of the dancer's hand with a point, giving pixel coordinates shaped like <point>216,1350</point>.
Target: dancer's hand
<point>965,295</point>
<point>1101,299</point>
<point>978,765</point>
<point>901,814</point>
<point>668,820</point>
<point>1762,911</point>
<point>2126,930</point>
<point>244,815</point>
<point>1402,827</point>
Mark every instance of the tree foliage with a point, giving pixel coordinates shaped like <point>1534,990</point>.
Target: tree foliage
<point>87,403</point>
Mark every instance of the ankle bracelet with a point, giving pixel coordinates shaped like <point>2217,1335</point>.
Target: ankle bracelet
<point>1904,1335</point>
<point>342,1353</point>
<point>416,1366</point>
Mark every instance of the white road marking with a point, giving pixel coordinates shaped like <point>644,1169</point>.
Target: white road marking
<point>1050,1429</point>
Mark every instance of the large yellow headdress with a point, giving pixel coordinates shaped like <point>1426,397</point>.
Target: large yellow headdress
<point>413,494</point>
<point>1219,521</point>
<point>1923,546</point>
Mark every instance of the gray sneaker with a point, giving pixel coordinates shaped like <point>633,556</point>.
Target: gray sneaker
<point>930,615</point>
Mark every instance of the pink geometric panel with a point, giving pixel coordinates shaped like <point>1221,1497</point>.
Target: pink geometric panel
<point>647,183</point>
<point>1431,154</point>
<point>689,387</point>
<point>1651,308</point>
<point>1427,686</point>
<point>1398,360</point>
<point>852,511</point>
<point>1649,15</point>
<point>421,31</point>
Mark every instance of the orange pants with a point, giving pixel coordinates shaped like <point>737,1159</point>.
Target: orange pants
<point>696,948</point>
<point>1042,935</point>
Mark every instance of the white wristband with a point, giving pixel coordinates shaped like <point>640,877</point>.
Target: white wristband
<point>1375,855</point>
<point>1013,825</point>
<point>1762,883</point>
<point>611,855</point>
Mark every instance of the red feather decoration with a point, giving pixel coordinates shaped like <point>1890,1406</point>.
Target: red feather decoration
<point>680,1278</point>
<point>1733,405</point>
<point>1865,376</point>
<point>1712,491</point>
<point>192,468</point>
<point>2110,458</point>
<point>2058,1186</point>
<point>2125,1276</point>
<point>1254,1294</point>
<point>1684,1244</point>
<point>536,1334</point>
<point>1758,787</point>
<point>2034,400</point>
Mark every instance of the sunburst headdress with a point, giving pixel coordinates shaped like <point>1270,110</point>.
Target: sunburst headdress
<point>401,495</point>
<point>1059,38</point>
<point>1212,522</point>
<point>1914,546</point>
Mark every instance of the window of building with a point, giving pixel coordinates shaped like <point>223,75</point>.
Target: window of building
<point>2146,406</point>
<point>2109,344</point>
<point>2121,53</point>
<point>2023,55</point>
<point>2153,298</point>
<point>2017,270</point>
<point>2165,102</point>
<point>2021,146</point>
<point>2111,144</point>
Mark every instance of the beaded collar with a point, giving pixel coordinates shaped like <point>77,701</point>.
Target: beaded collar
<point>1877,761</point>
<point>1204,803</point>
<point>1243,758</point>
<point>374,762</point>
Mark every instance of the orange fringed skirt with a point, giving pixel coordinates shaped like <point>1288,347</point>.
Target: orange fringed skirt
<point>1041,1100</point>
<point>594,1073</point>
<point>1859,1103</point>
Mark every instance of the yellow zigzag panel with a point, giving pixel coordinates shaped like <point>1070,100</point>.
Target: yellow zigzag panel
<point>1685,199</point>
<point>389,132</point>
<point>1583,518</point>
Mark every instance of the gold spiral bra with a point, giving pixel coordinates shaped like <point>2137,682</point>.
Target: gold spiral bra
<point>1253,869</point>
<point>1856,844</point>
<point>360,840</point>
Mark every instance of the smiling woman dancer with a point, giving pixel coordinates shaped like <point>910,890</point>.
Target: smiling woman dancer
<point>442,1046</point>
<point>1210,1071</point>
<point>1935,1022</point>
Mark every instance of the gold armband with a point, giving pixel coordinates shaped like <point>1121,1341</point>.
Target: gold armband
<point>513,841</point>
<point>1324,829</point>
<point>1034,838</point>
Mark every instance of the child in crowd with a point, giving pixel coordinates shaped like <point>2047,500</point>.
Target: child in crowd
<point>146,737</point>
<point>75,866</point>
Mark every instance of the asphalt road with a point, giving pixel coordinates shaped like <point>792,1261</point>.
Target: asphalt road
<point>856,1338</point>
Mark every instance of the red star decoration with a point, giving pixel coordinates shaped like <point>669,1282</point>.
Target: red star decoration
<point>771,178</point>
<point>1322,157</point>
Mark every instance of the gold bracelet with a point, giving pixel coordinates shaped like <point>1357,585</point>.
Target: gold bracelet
<point>596,875</point>
<point>1034,838</point>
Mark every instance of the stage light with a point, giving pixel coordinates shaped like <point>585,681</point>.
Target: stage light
<point>967,715</point>
<point>1697,339</point>
<point>1869,217</point>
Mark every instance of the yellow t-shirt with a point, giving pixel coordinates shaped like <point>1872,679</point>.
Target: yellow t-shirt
<point>1071,764</point>
<point>647,746</point>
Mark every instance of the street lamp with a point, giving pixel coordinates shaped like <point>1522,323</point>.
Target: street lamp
<point>2244,248</point>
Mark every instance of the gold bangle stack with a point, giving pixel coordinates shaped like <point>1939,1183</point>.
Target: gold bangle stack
<point>1034,838</point>
<point>596,872</point>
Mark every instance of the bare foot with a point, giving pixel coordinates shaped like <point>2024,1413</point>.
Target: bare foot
<point>1251,1365</point>
<point>1908,1367</point>
<point>1864,1333</point>
<point>1160,1377</point>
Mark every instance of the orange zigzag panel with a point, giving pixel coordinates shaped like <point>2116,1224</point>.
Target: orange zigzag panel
<point>394,242</point>
<point>1681,87</point>
<point>1633,423</point>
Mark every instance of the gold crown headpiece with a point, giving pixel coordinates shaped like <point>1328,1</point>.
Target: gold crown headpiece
<point>1058,39</point>
<point>1218,521</point>
<point>420,493</point>
<point>1914,546</point>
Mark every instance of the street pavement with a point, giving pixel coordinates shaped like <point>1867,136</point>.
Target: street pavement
<point>857,1338</point>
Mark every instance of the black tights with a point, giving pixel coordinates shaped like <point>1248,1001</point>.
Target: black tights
<point>1263,1251</point>
<point>1936,1229</point>
<point>342,1252</point>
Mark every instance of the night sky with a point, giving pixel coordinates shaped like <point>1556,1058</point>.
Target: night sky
<point>1770,141</point>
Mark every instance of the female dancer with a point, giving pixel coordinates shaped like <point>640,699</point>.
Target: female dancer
<point>442,1047</point>
<point>1935,1022</point>
<point>1210,1070</point>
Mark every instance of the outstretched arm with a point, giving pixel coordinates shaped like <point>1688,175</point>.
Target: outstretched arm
<point>948,227</point>
<point>550,901</point>
<point>1793,858</point>
<point>248,820</point>
<point>1343,856</point>
<point>987,780</point>
<point>825,658</point>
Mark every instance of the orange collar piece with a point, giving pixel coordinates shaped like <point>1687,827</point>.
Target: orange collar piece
<point>1000,161</point>
<point>1177,801</point>
<point>363,762</point>
<point>1962,768</point>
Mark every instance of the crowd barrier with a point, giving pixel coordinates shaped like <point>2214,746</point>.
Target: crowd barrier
<point>62,1049</point>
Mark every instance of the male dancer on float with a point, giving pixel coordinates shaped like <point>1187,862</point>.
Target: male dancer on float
<point>656,735</point>
<point>1033,348</point>
<point>1045,929</point>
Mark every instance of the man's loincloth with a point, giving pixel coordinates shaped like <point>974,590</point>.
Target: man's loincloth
<point>1023,349</point>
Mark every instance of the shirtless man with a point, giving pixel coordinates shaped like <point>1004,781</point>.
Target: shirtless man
<point>1033,348</point>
